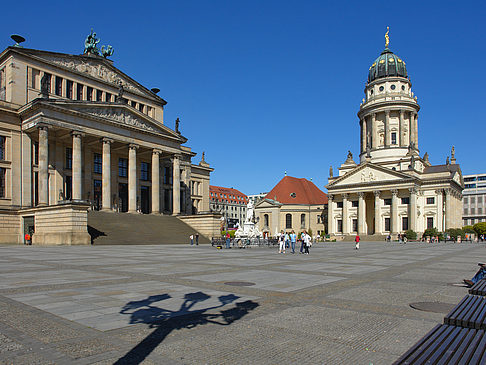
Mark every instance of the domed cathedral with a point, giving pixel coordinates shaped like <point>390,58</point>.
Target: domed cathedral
<point>392,189</point>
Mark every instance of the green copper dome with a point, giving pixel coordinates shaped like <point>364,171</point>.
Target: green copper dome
<point>388,64</point>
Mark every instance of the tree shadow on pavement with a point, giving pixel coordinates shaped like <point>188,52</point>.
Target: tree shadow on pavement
<point>165,321</point>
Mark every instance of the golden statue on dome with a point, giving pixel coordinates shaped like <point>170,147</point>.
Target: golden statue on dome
<point>387,39</point>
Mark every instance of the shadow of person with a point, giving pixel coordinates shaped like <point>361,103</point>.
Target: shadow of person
<point>165,321</point>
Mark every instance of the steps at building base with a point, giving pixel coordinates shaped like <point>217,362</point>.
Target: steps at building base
<point>108,228</point>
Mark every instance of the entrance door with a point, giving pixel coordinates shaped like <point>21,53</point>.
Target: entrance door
<point>29,226</point>
<point>123,197</point>
<point>145,199</point>
<point>97,198</point>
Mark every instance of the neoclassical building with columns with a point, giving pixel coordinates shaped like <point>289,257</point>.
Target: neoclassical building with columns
<point>76,133</point>
<point>392,189</point>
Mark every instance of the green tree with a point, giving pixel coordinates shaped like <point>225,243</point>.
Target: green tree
<point>480,228</point>
<point>411,235</point>
<point>468,229</point>
<point>455,232</point>
<point>430,232</point>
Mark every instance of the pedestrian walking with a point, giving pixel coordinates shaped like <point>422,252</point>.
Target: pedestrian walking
<point>281,242</point>
<point>197,239</point>
<point>192,239</point>
<point>302,244</point>
<point>356,240</point>
<point>293,238</point>
<point>307,242</point>
<point>228,240</point>
<point>287,240</point>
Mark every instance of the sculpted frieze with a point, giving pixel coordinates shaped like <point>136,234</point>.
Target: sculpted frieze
<point>99,71</point>
<point>120,116</point>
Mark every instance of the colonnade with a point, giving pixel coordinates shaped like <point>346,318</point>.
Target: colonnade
<point>43,173</point>
<point>369,127</point>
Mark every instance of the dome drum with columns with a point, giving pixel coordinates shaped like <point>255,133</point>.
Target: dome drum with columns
<point>392,189</point>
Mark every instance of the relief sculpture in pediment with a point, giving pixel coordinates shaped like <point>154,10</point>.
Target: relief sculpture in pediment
<point>120,116</point>
<point>99,71</point>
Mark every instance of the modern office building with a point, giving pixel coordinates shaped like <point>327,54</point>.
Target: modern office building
<point>474,199</point>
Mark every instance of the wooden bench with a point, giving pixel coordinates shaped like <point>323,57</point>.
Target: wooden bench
<point>447,344</point>
<point>479,288</point>
<point>469,313</point>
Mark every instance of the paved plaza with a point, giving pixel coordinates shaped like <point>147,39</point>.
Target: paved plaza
<point>199,305</point>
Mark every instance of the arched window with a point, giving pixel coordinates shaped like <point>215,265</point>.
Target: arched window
<point>265,220</point>
<point>288,221</point>
<point>302,221</point>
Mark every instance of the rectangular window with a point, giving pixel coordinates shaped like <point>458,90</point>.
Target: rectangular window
<point>355,225</point>
<point>480,210</point>
<point>140,107</point>
<point>2,84</point>
<point>34,81</point>
<point>47,78</point>
<point>36,153</point>
<point>431,200</point>
<point>123,167</point>
<point>99,95</point>
<point>168,175</point>
<point>339,204</point>
<point>430,222</point>
<point>108,97</point>
<point>387,201</point>
<point>79,92</point>
<point>144,171</point>
<point>89,93</point>
<point>354,204</point>
<point>2,182</point>
<point>473,200</point>
<point>465,211</point>
<point>394,138</point>
<point>68,188</point>
<point>387,224</point>
<point>3,155</point>
<point>481,178</point>
<point>404,223</point>
<point>69,89</point>
<point>473,210</point>
<point>97,163</point>
<point>406,200</point>
<point>69,158</point>
<point>469,186</point>
<point>58,89</point>
<point>340,225</point>
<point>466,200</point>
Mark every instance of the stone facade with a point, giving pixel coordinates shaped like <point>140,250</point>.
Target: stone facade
<point>73,128</point>
<point>392,189</point>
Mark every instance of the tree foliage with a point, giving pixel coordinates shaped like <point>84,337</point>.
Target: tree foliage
<point>480,228</point>
<point>411,235</point>
<point>468,229</point>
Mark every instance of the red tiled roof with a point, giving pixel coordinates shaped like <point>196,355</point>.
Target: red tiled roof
<point>219,190</point>
<point>305,192</point>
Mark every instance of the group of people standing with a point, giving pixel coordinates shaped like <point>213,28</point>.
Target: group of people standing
<point>286,240</point>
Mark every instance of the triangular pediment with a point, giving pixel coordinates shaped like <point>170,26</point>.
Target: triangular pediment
<point>268,203</point>
<point>121,115</point>
<point>368,173</point>
<point>95,67</point>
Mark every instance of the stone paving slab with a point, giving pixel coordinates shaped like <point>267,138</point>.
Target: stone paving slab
<point>170,304</point>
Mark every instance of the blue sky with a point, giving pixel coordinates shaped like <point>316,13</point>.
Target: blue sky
<point>266,87</point>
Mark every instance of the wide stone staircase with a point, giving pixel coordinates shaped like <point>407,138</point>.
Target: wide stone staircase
<point>107,228</point>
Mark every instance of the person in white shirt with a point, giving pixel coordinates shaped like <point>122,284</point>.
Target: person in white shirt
<point>281,242</point>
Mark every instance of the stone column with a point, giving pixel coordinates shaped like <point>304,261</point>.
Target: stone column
<point>330,213</point>
<point>377,212</point>
<point>77,189</point>
<point>415,127</point>
<point>43,165</point>
<point>363,135</point>
<point>361,214</point>
<point>394,212</point>
<point>387,128</point>
<point>411,128</point>
<point>345,214</point>
<point>132,178</point>
<point>413,210</point>
<point>156,181</point>
<point>106,175</point>
<point>448,211</point>
<point>374,137</point>
<point>176,185</point>
<point>400,130</point>
<point>440,203</point>
<point>26,170</point>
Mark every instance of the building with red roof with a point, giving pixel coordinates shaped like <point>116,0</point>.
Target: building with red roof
<point>293,204</point>
<point>230,202</point>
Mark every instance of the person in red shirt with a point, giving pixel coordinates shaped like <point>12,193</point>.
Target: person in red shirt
<point>356,240</point>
